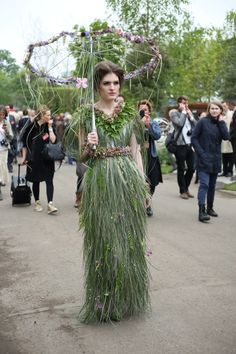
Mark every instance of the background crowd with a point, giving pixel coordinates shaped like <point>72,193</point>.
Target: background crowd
<point>184,160</point>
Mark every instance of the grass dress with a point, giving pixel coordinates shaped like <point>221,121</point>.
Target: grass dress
<point>113,217</point>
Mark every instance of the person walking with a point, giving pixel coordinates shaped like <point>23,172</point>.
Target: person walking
<point>233,140</point>
<point>152,133</point>
<point>112,210</point>
<point>184,123</point>
<point>226,146</point>
<point>12,148</point>
<point>206,140</point>
<point>23,120</point>
<point>35,136</point>
<point>6,135</point>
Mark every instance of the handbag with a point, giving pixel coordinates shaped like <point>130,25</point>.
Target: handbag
<point>170,141</point>
<point>53,152</point>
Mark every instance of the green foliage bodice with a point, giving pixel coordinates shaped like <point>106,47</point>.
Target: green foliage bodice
<point>112,131</point>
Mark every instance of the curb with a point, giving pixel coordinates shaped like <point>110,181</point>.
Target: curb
<point>232,193</point>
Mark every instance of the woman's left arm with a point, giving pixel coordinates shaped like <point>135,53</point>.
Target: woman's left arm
<point>154,130</point>
<point>135,151</point>
<point>223,129</point>
<point>52,135</point>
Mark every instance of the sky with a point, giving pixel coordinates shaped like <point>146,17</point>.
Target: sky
<point>27,21</point>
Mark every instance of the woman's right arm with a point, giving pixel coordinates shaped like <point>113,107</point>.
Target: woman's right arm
<point>86,144</point>
<point>197,132</point>
<point>24,156</point>
<point>26,135</point>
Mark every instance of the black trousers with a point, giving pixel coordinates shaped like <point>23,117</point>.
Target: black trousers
<point>185,166</point>
<point>49,190</point>
<point>228,162</point>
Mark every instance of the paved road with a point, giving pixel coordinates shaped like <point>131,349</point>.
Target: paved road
<point>193,287</point>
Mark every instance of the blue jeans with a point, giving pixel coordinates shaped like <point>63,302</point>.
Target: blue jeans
<point>206,188</point>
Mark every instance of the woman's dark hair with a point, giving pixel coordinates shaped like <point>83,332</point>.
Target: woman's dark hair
<point>3,109</point>
<point>181,98</point>
<point>106,67</point>
<point>216,103</point>
<point>25,112</point>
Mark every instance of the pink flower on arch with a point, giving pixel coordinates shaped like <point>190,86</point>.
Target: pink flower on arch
<point>81,82</point>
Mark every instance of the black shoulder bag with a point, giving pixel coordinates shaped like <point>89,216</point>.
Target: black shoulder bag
<point>170,141</point>
<point>53,152</point>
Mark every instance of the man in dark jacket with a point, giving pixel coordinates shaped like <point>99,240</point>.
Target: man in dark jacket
<point>184,123</point>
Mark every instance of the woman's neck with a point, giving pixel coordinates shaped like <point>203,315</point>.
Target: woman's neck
<point>40,122</point>
<point>106,106</point>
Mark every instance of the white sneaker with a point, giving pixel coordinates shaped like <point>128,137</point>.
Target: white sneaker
<point>38,206</point>
<point>51,208</point>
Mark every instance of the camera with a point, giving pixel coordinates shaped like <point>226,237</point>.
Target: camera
<point>189,132</point>
<point>4,143</point>
<point>142,113</point>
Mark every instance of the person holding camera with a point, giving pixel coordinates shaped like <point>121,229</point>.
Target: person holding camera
<point>152,133</point>
<point>38,133</point>
<point>184,123</point>
<point>206,140</point>
<point>6,136</point>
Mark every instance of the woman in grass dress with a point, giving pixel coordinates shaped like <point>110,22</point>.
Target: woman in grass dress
<point>112,211</point>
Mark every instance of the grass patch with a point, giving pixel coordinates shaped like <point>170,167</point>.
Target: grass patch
<point>230,187</point>
<point>166,169</point>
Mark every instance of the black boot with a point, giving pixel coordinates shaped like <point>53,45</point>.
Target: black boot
<point>202,213</point>
<point>210,210</point>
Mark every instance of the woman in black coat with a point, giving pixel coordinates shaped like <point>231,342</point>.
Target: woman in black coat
<point>152,133</point>
<point>36,135</point>
<point>233,139</point>
<point>206,140</point>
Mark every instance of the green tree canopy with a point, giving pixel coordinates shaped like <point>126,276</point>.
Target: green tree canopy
<point>7,63</point>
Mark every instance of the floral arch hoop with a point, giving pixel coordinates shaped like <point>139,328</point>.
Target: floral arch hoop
<point>149,66</point>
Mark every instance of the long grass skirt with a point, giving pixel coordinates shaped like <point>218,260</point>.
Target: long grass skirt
<point>114,220</point>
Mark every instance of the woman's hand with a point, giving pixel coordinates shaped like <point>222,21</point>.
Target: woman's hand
<point>23,159</point>
<point>23,162</point>
<point>92,138</point>
<point>52,136</point>
<point>50,123</point>
<point>146,119</point>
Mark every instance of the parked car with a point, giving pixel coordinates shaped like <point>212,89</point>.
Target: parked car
<point>164,124</point>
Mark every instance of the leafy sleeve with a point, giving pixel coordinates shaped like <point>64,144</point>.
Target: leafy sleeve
<point>77,129</point>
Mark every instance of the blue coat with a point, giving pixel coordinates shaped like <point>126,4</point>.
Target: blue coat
<point>154,132</point>
<point>206,140</point>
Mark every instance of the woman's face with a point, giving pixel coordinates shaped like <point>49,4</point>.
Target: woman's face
<point>144,107</point>
<point>109,87</point>
<point>2,116</point>
<point>46,117</point>
<point>214,111</point>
